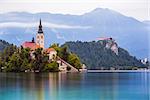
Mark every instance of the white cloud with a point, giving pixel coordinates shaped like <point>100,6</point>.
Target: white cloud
<point>1,33</point>
<point>58,35</point>
<point>45,24</point>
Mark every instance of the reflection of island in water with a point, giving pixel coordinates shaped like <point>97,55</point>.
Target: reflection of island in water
<point>74,86</point>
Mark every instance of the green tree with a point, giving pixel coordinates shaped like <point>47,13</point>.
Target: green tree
<point>51,67</point>
<point>74,60</point>
<point>14,63</point>
<point>64,53</point>
<point>40,60</point>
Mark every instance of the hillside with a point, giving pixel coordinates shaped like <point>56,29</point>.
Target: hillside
<point>130,33</point>
<point>3,45</point>
<point>95,55</point>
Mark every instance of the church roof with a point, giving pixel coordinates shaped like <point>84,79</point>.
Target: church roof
<point>31,45</point>
<point>48,50</point>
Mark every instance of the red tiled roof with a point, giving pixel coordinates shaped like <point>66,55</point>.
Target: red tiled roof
<point>30,45</point>
<point>48,50</point>
<point>104,38</point>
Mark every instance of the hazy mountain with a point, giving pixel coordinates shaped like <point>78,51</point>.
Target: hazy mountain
<point>131,34</point>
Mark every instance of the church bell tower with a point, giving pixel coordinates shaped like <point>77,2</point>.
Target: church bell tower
<point>40,36</point>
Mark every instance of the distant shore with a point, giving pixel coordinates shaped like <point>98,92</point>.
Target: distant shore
<point>119,71</point>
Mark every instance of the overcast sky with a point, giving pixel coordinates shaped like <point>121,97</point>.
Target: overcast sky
<point>138,9</point>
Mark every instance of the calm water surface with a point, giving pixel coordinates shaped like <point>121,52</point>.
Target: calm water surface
<point>77,86</point>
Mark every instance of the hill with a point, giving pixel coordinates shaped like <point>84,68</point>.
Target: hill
<point>96,56</point>
<point>130,33</point>
<point>3,45</point>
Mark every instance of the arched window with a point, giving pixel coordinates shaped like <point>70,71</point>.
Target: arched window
<point>41,37</point>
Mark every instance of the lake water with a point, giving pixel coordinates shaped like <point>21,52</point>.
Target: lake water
<point>75,86</point>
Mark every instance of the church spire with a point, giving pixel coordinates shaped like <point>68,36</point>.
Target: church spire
<point>40,36</point>
<point>40,31</point>
<point>40,23</point>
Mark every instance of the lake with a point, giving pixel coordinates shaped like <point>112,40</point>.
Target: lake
<point>75,86</point>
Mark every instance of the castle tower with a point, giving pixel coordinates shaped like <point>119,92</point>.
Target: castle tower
<point>40,36</point>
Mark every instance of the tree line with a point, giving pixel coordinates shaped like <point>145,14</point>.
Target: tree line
<point>96,56</point>
<point>18,59</point>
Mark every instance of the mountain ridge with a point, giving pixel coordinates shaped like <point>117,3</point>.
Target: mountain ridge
<point>130,33</point>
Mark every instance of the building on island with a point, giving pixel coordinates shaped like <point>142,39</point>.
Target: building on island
<point>51,52</point>
<point>144,61</point>
<point>39,43</point>
<point>31,45</point>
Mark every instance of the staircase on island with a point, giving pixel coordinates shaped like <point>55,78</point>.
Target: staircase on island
<point>63,66</point>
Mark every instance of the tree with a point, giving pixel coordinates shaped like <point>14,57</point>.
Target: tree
<point>3,45</point>
<point>56,47</point>
<point>74,61</point>
<point>40,60</point>
<point>14,63</point>
<point>51,67</point>
<point>64,53</point>
<point>67,56</point>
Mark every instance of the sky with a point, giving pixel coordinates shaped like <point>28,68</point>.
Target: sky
<point>139,9</point>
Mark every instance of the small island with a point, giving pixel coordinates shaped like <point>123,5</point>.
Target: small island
<point>32,56</point>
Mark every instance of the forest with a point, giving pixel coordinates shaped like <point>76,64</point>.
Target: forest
<point>96,56</point>
<point>93,54</point>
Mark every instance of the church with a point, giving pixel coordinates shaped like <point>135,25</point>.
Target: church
<point>39,43</point>
<point>51,52</point>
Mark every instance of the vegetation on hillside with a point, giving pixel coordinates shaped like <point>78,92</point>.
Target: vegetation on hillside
<point>14,59</point>
<point>68,56</point>
<point>3,45</point>
<point>96,56</point>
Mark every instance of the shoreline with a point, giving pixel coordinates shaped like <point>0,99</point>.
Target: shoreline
<point>119,71</point>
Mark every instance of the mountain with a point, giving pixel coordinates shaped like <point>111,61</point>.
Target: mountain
<point>3,45</point>
<point>131,34</point>
<point>97,56</point>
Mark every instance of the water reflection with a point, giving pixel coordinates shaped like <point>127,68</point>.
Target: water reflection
<point>67,86</point>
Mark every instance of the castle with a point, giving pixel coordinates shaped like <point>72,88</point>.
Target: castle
<point>110,44</point>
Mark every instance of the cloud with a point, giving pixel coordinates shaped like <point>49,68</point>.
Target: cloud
<point>45,24</point>
<point>58,35</point>
<point>2,32</point>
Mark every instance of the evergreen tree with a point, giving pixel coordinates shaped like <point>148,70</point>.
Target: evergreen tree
<point>96,56</point>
